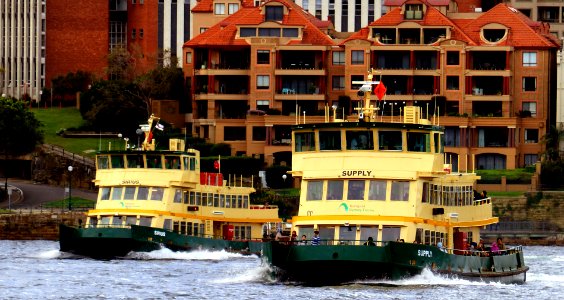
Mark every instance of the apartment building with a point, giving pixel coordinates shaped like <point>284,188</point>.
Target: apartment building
<point>549,11</point>
<point>486,76</point>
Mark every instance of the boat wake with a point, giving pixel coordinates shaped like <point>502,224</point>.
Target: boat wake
<point>426,278</point>
<point>261,273</point>
<point>167,254</point>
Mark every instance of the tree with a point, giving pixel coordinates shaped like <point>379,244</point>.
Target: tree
<point>552,162</point>
<point>20,131</point>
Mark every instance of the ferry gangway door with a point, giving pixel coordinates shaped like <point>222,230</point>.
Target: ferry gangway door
<point>228,232</point>
<point>460,241</point>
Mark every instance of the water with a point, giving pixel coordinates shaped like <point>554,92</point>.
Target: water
<point>37,270</point>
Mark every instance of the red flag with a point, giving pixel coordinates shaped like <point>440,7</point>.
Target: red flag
<point>216,164</point>
<point>380,90</point>
<point>150,137</point>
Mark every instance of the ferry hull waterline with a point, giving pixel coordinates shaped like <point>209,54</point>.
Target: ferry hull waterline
<point>150,199</point>
<point>380,198</point>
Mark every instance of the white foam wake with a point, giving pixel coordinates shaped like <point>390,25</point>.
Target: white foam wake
<point>190,255</point>
<point>261,273</point>
<point>428,278</point>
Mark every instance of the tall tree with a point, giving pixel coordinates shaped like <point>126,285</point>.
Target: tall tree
<point>20,131</point>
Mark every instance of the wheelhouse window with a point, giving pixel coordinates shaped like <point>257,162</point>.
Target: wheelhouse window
<point>157,194</point>
<point>274,13</point>
<point>116,193</point>
<point>135,161</point>
<point>400,191</point>
<point>117,161</point>
<point>356,190</point>
<point>335,190</point>
<point>377,190</point>
<point>177,196</point>
<point>105,193</point>
<point>418,142</point>
<point>103,162</point>
<point>390,140</point>
<point>129,193</point>
<point>172,162</point>
<point>305,141</point>
<point>142,193</point>
<point>314,190</point>
<point>329,140</point>
<point>154,162</point>
<point>359,140</point>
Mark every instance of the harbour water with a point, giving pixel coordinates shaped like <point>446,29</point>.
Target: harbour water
<point>37,270</point>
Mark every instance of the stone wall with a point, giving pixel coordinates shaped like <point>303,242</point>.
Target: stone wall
<point>36,226</point>
<point>533,206</point>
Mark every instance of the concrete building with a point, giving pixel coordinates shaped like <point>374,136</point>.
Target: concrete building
<point>486,76</point>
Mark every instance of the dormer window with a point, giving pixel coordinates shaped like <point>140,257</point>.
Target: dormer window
<point>493,35</point>
<point>413,11</point>
<point>274,13</point>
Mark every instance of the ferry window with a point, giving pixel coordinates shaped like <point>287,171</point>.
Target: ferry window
<point>419,235</point>
<point>117,161</point>
<point>356,190</point>
<point>182,227</point>
<point>427,237</point>
<point>143,193</point>
<point>189,228</point>
<point>191,200</point>
<point>377,190</point>
<point>305,141</point>
<point>389,140</point>
<point>202,229</point>
<point>117,221</point>
<point>329,140</point>
<point>103,162</point>
<point>135,161</point>
<point>400,191</point>
<point>167,224</point>
<point>347,234</point>
<point>157,194</point>
<point>177,196</point>
<point>222,200</point>
<point>216,200</point>
<point>154,162</point>
<point>196,226</point>
<point>197,198</point>
<point>433,242</point>
<point>116,193</point>
<point>210,199</point>
<point>227,201</point>
<point>425,193</point>
<point>314,190</point>
<point>192,163</point>
<point>335,190</point>
<point>418,142</point>
<point>245,201</point>
<point>105,193</point>
<point>359,140</point>
<point>186,162</point>
<point>186,197</point>
<point>172,162</point>
<point>93,222</point>
<point>130,220</point>
<point>442,150</point>
<point>105,220</point>
<point>239,201</point>
<point>390,233</point>
<point>368,231</point>
<point>175,226</point>
<point>145,221</point>
<point>204,199</point>
<point>326,233</point>
<point>436,141</point>
<point>129,193</point>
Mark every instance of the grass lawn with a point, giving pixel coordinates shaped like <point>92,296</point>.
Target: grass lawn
<point>76,202</point>
<point>53,119</point>
<point>505,194</point>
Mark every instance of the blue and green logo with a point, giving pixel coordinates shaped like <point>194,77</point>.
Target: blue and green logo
<point>344,206</point>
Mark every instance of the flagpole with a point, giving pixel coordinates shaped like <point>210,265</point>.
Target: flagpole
<point>219,163</point>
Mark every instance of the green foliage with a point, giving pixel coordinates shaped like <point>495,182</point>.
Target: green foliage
<point>505,194</point>
<point>287,200</point>
<point>274,177</point>
<point>515,176</point>
<point>552,174</point>
<point>20,130</point>
<point>76,202</point>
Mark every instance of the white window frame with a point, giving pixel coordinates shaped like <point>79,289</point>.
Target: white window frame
<point>232,8</point>
<point>219,9</point>
<point>529,59</point>
<point>530,106</point>
<point>263,82</point>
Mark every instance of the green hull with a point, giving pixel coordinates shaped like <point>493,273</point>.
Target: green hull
<point>110,242</point>
<point>343,263</point>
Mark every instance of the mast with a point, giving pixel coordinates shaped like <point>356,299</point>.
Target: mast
<point>366,113</point>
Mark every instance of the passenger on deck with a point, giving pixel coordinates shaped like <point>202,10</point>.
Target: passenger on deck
<point>481,248</point>
<point>303,241</point>
<point>316,240</point>
<point>278,235</point>
<point>440,246</point>
<point>500,245</point>
<point>370,242</point>
<point>293,237</point>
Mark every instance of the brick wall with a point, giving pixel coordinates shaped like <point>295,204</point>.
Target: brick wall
<point>36,226</point>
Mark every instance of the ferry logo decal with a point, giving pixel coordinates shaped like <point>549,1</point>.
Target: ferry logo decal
<point>345,207</point>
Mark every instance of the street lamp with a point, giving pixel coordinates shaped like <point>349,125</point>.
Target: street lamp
<point>70,186</point>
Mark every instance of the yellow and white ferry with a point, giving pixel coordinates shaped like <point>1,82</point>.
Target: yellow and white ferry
<point>148,199</point>
<point>378,200</point>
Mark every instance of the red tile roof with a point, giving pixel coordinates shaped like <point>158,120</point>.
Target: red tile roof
<point>523,32</point>
<point>224,33</point>
<point>207,5</point>
<point>430,2</point>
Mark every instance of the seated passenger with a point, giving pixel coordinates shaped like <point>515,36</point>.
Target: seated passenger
<point>303,241</point>
<point>369,242</point>
<point>316,240</point>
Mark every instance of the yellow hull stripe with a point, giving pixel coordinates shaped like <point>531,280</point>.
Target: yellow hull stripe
<point>341,219</point>
<point>161,213</point>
